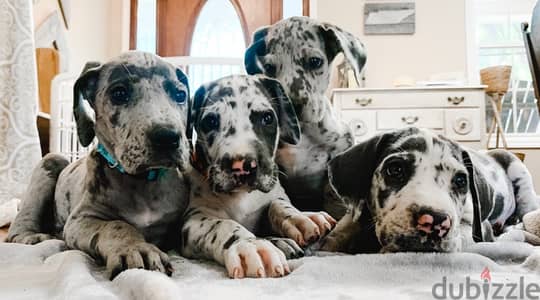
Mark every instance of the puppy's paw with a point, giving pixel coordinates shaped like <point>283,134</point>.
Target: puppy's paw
<point>531,222</point>
<point>137,256</point>
<point>30,238</point>
<point>533,262</point>
<point>331,243</point>
<point>308,227</point>
<point>288,246</point>
<point>255,258</point>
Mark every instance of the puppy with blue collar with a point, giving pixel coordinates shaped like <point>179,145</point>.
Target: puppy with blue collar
<point>122,204</point>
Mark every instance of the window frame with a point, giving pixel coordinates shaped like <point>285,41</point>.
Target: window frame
<point>133,7</point>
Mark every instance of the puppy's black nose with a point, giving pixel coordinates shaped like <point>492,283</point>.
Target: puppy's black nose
<point>433,223</point>
<point>164,139</point>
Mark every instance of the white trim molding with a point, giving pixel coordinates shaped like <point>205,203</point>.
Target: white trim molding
<point>519,141</point>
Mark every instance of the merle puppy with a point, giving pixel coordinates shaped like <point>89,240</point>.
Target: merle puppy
<point>236,195</point>
<point>126,198</point>
<point>412,190</point>
<point>298,52</point>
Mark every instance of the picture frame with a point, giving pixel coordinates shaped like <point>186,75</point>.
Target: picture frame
<point>389,18</point>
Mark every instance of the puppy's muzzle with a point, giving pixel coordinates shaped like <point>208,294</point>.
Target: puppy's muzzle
<point>243,169</point>
<point>163,139</point>
<point>436,225</point>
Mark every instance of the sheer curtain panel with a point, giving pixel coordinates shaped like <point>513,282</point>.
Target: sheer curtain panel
<point>19,142</point>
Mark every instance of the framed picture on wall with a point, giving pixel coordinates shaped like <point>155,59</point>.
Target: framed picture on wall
<point>389,18</point>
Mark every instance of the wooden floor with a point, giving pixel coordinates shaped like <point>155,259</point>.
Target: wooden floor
<point>3,233</point>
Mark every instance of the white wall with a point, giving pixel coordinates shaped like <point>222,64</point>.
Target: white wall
<point>99,29</point>
<point>439,44</point>
<point>532,161</point>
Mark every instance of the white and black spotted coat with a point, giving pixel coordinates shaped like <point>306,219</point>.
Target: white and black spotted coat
<point>298,52</point>
<point>388,208</point>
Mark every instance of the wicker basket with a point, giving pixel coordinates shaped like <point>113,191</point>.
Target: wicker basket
<point>519,155</point>
<point>496,78</point>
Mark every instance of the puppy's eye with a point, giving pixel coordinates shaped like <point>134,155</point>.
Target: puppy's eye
<point>267,118</point>
<point>460,181</point>
<point>179,96</point>
<point>210,122</point>
<point>120,95</point>
<point>395,170</point>
<point>314,62</point>
<point>270,69</point>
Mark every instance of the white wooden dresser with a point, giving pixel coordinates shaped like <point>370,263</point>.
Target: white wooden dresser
<point>456,112</point>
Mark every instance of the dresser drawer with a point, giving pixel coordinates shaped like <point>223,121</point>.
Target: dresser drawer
<point>424,118</point>
<point>361,122</point>
<point>445,99</point>
<point>463,124</point>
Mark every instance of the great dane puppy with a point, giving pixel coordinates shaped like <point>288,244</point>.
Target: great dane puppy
<point>298,52</point>
<point>412,190</point>
<point>236,195</point>
<point>126,198</point>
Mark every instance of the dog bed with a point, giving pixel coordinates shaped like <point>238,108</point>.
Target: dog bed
<point>44,271</point>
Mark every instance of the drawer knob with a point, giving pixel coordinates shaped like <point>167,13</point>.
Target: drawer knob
<point>463,126</point>
<point>359,128</point>
<point>363,101</point>
<point>456,100</point>
<point>410,120</point>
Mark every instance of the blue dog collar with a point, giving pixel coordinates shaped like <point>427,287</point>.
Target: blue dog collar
<point>113,164</point>
<point>151,175</point>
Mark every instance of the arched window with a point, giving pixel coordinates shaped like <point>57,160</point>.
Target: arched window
<point>218,35</point>
<point>146,25</point>
<point>218,32</point>
<point>206,37</point>
<point>167,26</point>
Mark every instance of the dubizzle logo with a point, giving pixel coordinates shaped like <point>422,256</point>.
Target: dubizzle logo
<point>486,289</point>
<point>485,276</point>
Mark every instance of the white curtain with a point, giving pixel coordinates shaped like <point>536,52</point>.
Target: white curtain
<point>19,142</point>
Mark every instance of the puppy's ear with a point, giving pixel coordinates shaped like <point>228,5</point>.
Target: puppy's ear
<point>198,102</point>
<point>337,40</point>
<point>254,51</point>
<point>351,172</point>
<point>84,93</point>
<point>476,183</point>
<point>289,126</point>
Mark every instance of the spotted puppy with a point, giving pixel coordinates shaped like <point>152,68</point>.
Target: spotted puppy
<point>298,52</point>
<point>126,198</point>
<point>423,192</point>
<point>236,195</point>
